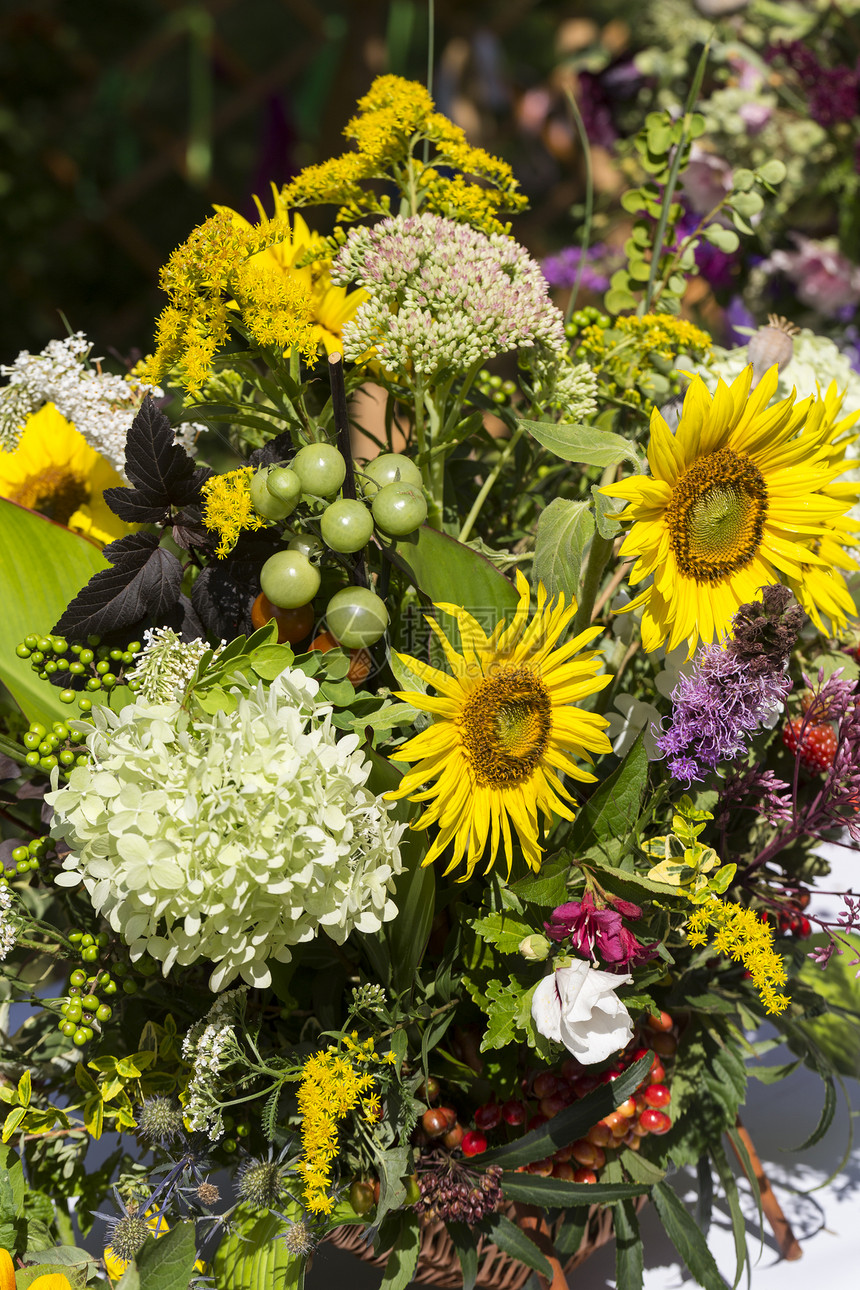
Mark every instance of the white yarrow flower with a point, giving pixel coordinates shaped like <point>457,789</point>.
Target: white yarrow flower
<point>229,837</point>
<point>8,931</point>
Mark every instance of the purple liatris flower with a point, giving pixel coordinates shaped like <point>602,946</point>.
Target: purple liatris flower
<point>732,688</point>
<point>599,933</point>
<point>561,269</point>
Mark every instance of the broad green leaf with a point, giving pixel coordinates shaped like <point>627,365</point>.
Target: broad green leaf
<point>532,1189</point>
<point>450,573</point>
<point>547,888</point>
<point>837,1035</point>
<point>640,1169</point>
<point>605,511</point>
<point>629,1254</point>
<point>686,1237</point>
<point>168,1263</point>
<point>512,1240</point>
<point>403,1259</point>
<point>563,530</point>
<point>583,444</point>
<point>570,1231</point>
<point>724,239</point>
<point>613,810</point>
<point>730,1189</point>
<point>13,1119</point>
<point>617,300</point>
<point>570,1124</point>
<point>772,172</point>
<point>43,565</point>
<point>502,929</point>
<point>465,1239</point>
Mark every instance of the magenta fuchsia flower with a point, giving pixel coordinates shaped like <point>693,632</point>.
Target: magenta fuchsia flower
<point>599,933</point>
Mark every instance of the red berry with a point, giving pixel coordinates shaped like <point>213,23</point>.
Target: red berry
<point>514,1113</point>
<point>600,1134</point>
<point>585,1084</point>
<point>488,1116</point>
<point>805,929</point>
<point>661,1022</point>
<point>654,1121</point>
<point>454,1137</point>
<point>428,1092</point>
<point>564,1171</point>
<point>585,1176</point>
<point>627,1109</point>
<point>544,1084</point>
<point>474,1143</point>
<point>657,1095</point>
<point>535,1122</point>
<point>665,1045</point>
<point>816,745</point>
<point>541,1167</point>
<point>550,1106</point>
<point>435,1122</point>
<point>585,1152</point>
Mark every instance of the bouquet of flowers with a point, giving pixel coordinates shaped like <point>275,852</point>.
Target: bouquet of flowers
<point>416,752</point>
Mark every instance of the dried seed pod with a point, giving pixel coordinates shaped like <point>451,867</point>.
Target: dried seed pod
<point>771,344</point>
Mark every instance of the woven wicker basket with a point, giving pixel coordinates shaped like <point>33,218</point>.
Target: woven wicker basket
<point>438,1264</point>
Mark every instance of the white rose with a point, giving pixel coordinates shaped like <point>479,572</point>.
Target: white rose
<point>577,1006</point>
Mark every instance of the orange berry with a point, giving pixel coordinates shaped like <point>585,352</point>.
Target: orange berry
<point>293,624</point>
<point>663,1022</point>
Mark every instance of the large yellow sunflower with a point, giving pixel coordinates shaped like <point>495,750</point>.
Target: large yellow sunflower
<point>736,500</point>
<point>55,471</point>
<point>331,306</point>
<point>504,731</point>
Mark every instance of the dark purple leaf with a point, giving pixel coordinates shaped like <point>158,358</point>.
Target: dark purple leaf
<point>226,589</point>
<point>144,581</point>
<point>9,769</point>
<point>162,472</point>
<point>134,506</point>
<point>276,450</point>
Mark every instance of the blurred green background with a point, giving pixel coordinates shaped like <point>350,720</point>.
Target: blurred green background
<point>122,122</point>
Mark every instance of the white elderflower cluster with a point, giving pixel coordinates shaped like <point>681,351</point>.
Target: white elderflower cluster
<point>443,296</point>
<point>210,1048</point>
<point>167,663</point>
<point>7,929</point>
<point>99,405</point>
<point>228,837</point>
<point>568,388</point>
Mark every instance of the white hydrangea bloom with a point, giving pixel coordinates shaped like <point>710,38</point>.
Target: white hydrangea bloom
<point>7,928</point>
<point>228,837</point>
<point>443,296</point>
<point>816,362</point>
<point>99,405</point>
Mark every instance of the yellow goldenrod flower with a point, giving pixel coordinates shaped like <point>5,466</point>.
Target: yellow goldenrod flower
<point>393,121</point>
<point>736,500</point>
<point>329,1090</point>
<point>741,935</point>
<point>227,507</point>
<point>504,731</point>
<point>54,470</point>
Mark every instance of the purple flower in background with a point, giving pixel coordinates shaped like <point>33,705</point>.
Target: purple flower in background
<point>560,270</point>
<point>732,688</point>
<point>758,790</point>
<point>833,93</point>
<point>826,280</point>
<point>599,933</point>
<point>715,266</point>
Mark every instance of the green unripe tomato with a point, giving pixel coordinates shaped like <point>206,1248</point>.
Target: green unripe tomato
<point>87,656</point>
<point>76,937</point>
<point>321,469</point>
<point>284,484</point>
<point>361,1197</point>
<point>37,728</point>
<point>346,525</point>
<point>399,509</point>
<point>306,544</point>
<point>289,580</point>
<point>23,866</point>
<point>356,617</point>
<point>31,641</point>
<point>129,987</point>
<point>264,502</point>
<point>389,468</point>
<point>85,704</point>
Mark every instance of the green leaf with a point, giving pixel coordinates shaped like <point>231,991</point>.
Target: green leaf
<point>836,1032</point>
<point>730,1188</point>
<point>502,930</point>
<point>617,300</point>
<point>614,809</point>
<point>634,200</point>
<point>773,1074</point>
<point>11,1178</point>
<point>25,1089</point>
<point>747,204</point>
<point>570,1231</point>
<point>547,888</point>
<point>449,572</point>
<point>772,172</point>
<point>465,1241</point>
<point>629,1254</point>
<point>168,1263</point>
<point>640,1169</point>
<point>512,1240</point>
<point>742,180</point>
<point>403,1258</point>
<point>563,530</point>
<point>130,1279</point>
<point>42,567</point>
<point>583,444</point>
<point>570,1124</point>
<point>502,1008</point>
<point>605,511</point>
<point>551,1193</point>
<point>13,1119</point>
<point>686,1237</point>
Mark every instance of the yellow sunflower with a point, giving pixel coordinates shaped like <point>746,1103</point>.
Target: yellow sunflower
<point>55,471</point>
<point>504,731</point>
<point>736,500</point>
<point>331,306</point>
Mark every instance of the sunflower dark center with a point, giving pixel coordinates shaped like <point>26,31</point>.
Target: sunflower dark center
<point>55,492</point>
<point>716,516</point>
<point>506,724</point>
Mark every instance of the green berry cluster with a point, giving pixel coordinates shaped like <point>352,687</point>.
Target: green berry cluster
<point>494,388</point>
<point>582,318</point>
<point>26,859</point>
<point>58,746</point>
<point>83,1006</point>
<point>88,668</point>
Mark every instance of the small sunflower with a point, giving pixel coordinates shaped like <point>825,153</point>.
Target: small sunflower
<point>331,306</point>
<point>55,471</point>
<point>737,500</point>
<point>504,731</point>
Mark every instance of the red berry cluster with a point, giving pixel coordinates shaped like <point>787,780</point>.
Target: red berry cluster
<point>815,745</point>
<point>546,1093</point>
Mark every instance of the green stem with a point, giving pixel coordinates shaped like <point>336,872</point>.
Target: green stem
<point>598,555</point>
<point>486,487</point>
<point>589,202</point>
<point>427,464</point>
